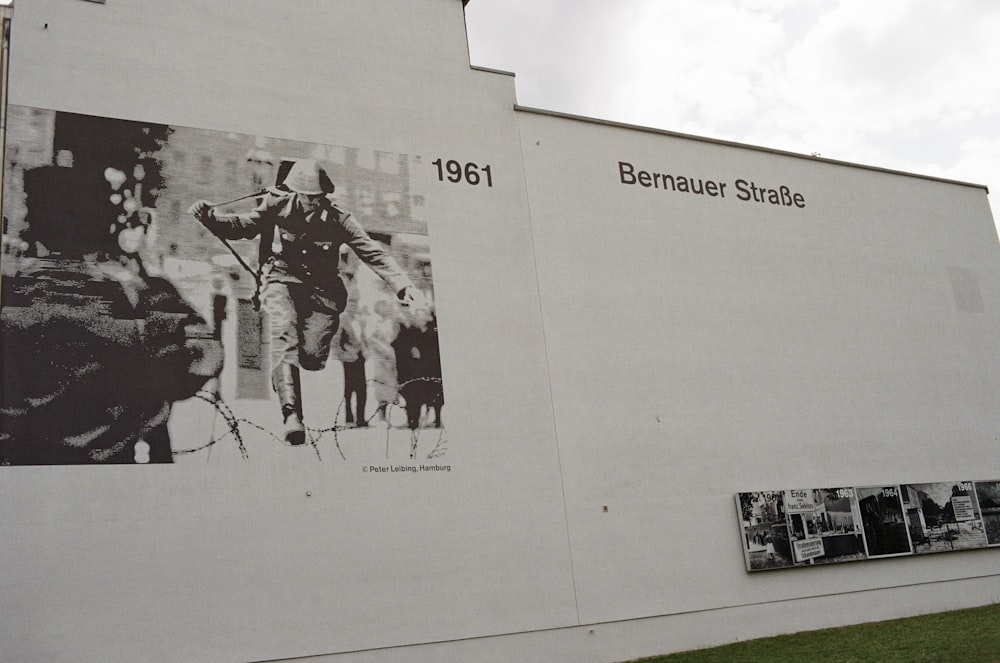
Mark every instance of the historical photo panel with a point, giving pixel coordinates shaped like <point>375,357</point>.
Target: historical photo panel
<point>828,527</point>
<point>766,540</point>
<point>988,500</point>
<point>800,527</point>
<point>173,293</point>
<point>845,524</point>
<point>943,516</point>
<point>883,523</point>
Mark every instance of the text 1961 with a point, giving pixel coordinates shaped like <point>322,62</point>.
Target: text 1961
<point>470,172</point>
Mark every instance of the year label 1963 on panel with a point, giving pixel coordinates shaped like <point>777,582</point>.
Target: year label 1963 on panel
<point>469,172</point>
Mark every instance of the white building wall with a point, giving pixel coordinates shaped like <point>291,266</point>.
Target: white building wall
<point>715,346</point>
<point>617,360</point>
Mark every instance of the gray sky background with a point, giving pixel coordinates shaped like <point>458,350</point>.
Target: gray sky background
<point>912,85</point>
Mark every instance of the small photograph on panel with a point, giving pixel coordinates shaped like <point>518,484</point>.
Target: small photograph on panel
<point>766,541</point>
<point>883,521</point>
<point>800,507</point>
<point>943,516</point>
<point>825,526</point>
<point>173,293</point>
<point>988,499</point>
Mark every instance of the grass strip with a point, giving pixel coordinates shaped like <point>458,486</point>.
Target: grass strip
<point>966,636</point>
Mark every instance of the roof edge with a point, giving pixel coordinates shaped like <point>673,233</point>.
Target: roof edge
<point>730,143</point>
<point>502,72</point>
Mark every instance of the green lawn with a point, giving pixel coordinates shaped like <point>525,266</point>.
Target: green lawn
<point>963,636</point>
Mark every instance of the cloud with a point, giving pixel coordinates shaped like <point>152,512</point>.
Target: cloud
<point>560,50</point>
<point>903,84</point>
<point>707,63</point>
<point>869,70</point>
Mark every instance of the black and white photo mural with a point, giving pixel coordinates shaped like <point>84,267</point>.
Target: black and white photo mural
<point>171,292</point>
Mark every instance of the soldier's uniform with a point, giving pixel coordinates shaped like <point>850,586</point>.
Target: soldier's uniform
<point>301,234</point>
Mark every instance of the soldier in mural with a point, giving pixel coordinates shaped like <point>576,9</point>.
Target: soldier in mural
<point>95,350</point>
<point>301,233</point>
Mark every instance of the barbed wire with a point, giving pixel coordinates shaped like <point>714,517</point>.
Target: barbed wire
<point>235,425</point>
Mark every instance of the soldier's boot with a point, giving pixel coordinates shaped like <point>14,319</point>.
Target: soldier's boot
<point>285,380</point>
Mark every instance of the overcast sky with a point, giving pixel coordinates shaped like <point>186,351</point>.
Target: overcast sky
<point>912,85</point>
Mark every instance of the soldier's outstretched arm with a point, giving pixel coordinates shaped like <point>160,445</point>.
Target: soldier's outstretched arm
<point>227,226</point>
<point>372,254</point>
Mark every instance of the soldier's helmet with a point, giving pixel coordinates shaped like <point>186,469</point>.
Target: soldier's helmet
<point>307,176</point>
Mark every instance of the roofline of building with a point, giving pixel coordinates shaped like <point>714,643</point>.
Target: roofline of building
<point>729,143</point>
<point>502,72</point>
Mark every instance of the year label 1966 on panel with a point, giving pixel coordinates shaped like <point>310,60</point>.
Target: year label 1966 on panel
<point>469,172</point>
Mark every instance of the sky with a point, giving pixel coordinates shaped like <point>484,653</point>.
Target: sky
<point>911,85</point>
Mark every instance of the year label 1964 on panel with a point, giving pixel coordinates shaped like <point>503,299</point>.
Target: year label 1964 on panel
<point>469,172</point>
